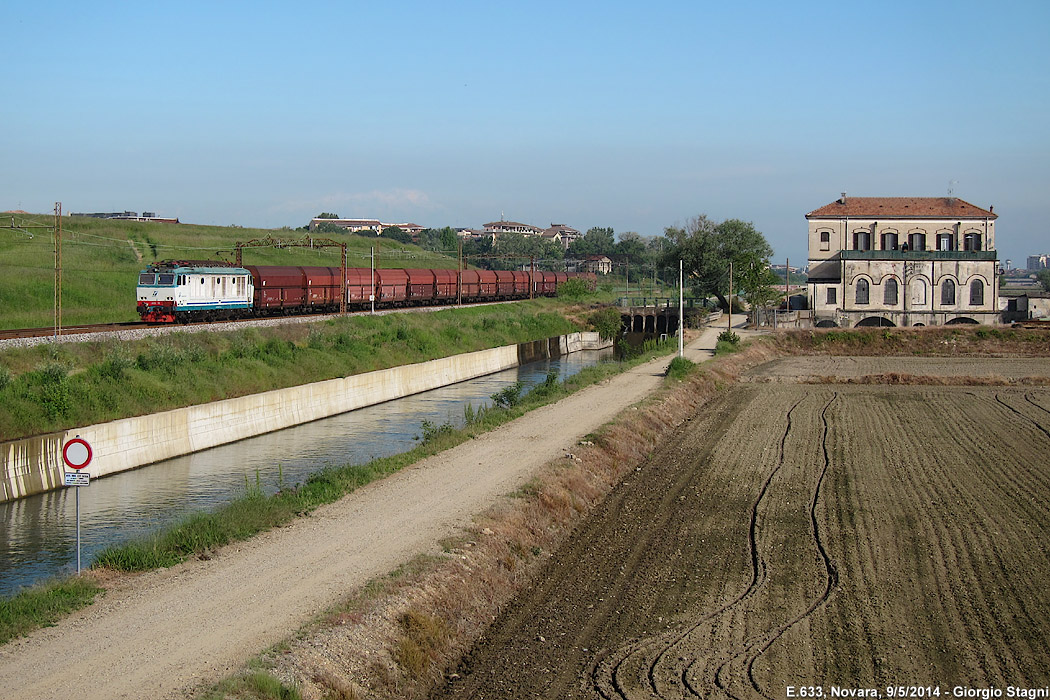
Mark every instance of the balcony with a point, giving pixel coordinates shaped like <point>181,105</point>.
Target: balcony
<point>911,255</point>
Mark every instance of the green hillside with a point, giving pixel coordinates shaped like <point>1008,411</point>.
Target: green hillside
<point>101,259</point>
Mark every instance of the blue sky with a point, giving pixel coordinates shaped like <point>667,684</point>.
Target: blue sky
<point>584,113</point>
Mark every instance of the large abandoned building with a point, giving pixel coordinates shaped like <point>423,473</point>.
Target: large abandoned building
<point>902,261</point>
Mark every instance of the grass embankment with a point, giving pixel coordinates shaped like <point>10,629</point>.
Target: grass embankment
<point>47,388</point>
<point>256,512</point>
<point>101,259</point>
<point>940,341</point>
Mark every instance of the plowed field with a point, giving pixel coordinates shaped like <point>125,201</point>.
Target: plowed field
<point>801,535</point>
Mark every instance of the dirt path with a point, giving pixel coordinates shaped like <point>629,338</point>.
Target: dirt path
<point>159,634</point>
<point>858,537</point>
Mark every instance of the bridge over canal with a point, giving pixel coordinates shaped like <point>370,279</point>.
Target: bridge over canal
<point>659,315</point>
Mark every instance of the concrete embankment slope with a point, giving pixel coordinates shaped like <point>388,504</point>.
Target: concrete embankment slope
<point>161,634</point>
<point>34,465</point>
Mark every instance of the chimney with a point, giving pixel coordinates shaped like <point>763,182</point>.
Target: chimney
<point>991,209</point>
<point>843,200</point>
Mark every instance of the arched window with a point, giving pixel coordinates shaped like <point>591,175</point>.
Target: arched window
<point>976,293</point>
<point>972,241</point>
<point>861,240</point>
<point>889,241</point>
<point>918,292</point>
<point>945,241</point>
<point>917,241</point>
<point>862,291</point>
<point>825,240</point>
<point>948,292</point>
<point>889,294</point>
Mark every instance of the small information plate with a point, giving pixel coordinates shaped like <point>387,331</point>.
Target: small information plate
<point>77,478</point>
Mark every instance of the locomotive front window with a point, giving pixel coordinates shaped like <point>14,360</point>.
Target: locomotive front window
<point>147,278</point>
<point>165,278</point>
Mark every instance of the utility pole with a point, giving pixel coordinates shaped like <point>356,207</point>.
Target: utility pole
<point>372,296</point>
<point>681,311</point>
<point>58,269</point>
<point>730,326</point>
<point>532,278</point>
<point>459,276</point>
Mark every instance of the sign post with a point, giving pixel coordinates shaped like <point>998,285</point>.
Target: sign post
<point>77,454</point>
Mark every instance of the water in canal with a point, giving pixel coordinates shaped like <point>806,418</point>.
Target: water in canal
<point>38,534</point>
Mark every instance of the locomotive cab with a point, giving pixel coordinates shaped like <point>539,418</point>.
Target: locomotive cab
<point>178,291</point>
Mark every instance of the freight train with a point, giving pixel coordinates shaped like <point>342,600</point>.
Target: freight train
<point>178,291</point>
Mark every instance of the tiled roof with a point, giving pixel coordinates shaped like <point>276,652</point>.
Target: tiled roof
<point>902,208</point>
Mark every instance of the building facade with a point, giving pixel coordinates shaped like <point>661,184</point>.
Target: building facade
<point>1038,262</point>
<point>902,261</point>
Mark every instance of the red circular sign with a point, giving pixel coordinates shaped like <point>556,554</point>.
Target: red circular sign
<point>77,453</point>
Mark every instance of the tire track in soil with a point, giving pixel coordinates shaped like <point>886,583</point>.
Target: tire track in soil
<point>611,579</point>
<point>756,646</point>
<point>606,674</point>
<point>831,570</point>
<point>1027,419</point>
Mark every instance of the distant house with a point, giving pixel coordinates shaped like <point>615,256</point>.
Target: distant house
<point>598,264</point>
<point>495,228</point>
<point>561,234</point>
<point>414,229</point>
<point>902,261</point>
<point>351,225</point>
<point>130,216</point>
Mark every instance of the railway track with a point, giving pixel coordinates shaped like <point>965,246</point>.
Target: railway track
<point>70,333</point>
<point>14,333</point>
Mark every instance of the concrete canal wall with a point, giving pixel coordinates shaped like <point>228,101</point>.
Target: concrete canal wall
<point>34,465</point>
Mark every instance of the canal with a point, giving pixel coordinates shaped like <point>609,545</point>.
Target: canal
<point>38,533</point>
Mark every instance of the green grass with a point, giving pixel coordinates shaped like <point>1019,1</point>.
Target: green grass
<point>48,388</point>
<point>43,606</point>
<point>680,368</point>
<point>254,685</point>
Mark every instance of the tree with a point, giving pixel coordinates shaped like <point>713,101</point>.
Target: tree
<point>632,247</point>
<point>758,283</point>
<point>329,228</point>
<point>449,239</point>
<point>597,241</point>
<point>1044,279</point>
<point>706,249</point>
<point>525,248</point>
<point>396,233</point>
<point>326,215</point>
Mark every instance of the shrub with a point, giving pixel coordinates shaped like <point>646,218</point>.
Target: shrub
<point>116,362</point>
<point>723,347</point>
<point>607,322</point>
<point>508,397</point>
<point>432,431</point>
<point>679,367</point>
<point>574,288</point>
<point>5,377</point>
<point>728,336</point>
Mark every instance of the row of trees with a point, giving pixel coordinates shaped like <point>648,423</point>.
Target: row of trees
<point>705,246</point>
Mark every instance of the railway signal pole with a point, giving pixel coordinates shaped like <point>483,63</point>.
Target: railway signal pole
<point>58,269</point>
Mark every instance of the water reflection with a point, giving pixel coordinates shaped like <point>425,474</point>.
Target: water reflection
<point>38,534</point>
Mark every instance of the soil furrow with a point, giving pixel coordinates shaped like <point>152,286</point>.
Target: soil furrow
<point>863,537</point>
